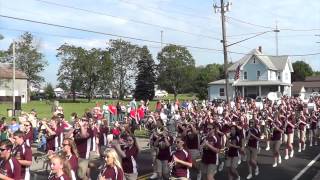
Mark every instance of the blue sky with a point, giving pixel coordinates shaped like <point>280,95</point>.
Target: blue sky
<point>185,22</point>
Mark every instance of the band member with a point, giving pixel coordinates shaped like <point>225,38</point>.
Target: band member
<point>210,149</point>
<point>23,153</point>
<point>129,154</point>
<point>234,145</point>
<point>112,167</point>
<point>60,169</point>
<point>181,162</point>
<point>28,130</point>
<point>163,144</point>
<point>71,155</point>
<point>53,133</point>
<point>313,129</point>
<point>253,137</point>
<point>289,127</point>
<point>302,132</point>
<point>276,132</point>
<point>10,168</point>
<point>192,142</point>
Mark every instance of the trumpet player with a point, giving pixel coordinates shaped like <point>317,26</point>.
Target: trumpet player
<point>276,132</point>
<point>234,145</point>
<point>313,129</point>
<point>210,150</point>
<point>163,143</point>
<point>253,137</point>
<point>23,154</point>
<point>302,132</point>
<point>289,130</point>
<point>181,162</point>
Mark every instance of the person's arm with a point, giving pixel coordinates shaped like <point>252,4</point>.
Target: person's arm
<point>211,147</point>
<point>119,150</point>
<point>185,163</point>
<point>5,177</point>
<point>83,130</point>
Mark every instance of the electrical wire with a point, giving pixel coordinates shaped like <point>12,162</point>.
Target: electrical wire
<point>127,19</point>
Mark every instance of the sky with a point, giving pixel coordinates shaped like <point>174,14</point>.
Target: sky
<point>190,23</point>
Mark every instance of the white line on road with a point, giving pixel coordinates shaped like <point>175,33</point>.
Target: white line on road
<point>306,168</point>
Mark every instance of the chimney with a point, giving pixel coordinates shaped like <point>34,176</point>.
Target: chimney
<point>260,49</point>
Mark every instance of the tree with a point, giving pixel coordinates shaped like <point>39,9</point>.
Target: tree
<point>301,70</point>
<point>124,57</point>
<point>49,92</point>
<point>206,74</point>
<point>83,69</point>
<point>175,69</point>
<point>28,58</point>
<point>146,78</point>
<point>69,69</point>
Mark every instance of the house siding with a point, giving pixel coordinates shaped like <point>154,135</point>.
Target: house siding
<point>214,91</point>
<point>252,68</point>
<point>20,88</point>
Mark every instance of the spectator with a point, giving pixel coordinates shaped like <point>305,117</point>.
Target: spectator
<point>14,126</point>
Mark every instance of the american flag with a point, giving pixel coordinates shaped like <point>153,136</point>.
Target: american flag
<point>237,74</point>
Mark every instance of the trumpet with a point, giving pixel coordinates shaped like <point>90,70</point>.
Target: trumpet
<point>45,157</point>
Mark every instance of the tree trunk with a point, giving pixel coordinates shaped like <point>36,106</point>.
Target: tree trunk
<point>73,95</point>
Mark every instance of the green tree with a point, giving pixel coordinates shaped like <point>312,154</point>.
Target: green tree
<point>146,78</point>
<point>69,69</point>
<point>175,69</point>
<point>209,73</point>
<point>28,58</point>
<point>124,56</point>
<point>49,92</point>
<point>301,71</point>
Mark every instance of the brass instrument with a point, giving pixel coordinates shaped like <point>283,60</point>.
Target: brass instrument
<point>45,157</point>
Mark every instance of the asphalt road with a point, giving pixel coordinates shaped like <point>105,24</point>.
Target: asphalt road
<point>285,171</point>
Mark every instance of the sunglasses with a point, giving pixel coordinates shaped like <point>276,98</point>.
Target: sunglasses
<point>26,125</point>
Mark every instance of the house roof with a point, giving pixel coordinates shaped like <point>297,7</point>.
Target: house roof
<point>313,78</point>
<point>271,62</point>
<point>6,72</point>
<point>259,83</point>
<point>296,89</point>
<point>307,84</point>
<point>221,81</point>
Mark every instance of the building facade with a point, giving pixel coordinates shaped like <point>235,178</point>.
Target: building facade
<point>255,75</point>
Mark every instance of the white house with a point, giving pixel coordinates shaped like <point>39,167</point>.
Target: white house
<point>259,74</point>
<point>6,85</point>
<point>59,92</point>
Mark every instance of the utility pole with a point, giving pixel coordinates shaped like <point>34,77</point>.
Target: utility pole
<point>277,31</point>
<point>161,38</point>
<point>13,78</point>
<point>223,8</point>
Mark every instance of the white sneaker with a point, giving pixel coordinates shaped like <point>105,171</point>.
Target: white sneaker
<point>221,166</point>
<point>154,176</point>
<point>291,154</point>
<point>249,176</point>
<point>304,147</point>
<point>286,157</point>
<point>199,176</point>
<point>279,160</point>
<point>310,144</point>
<point>239,161</point>
<point>299,150</point>
<point>256,172</point>
<point>316,143</point>
<point>275,164</point>
<point>268,148</point>
<point>238,178</point>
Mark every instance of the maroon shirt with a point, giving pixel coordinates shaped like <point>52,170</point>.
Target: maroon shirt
<point>235,140</point>
<point>164,151</point>
<point>63,177</point>
<point>192,141</point>
<point>28,138</point>
<point>25,153</point>
<point>252,142</point>
<point>209,156</point>
<point>84,145</point>
<point>103,136</point>
<point>276,135</point>
<point>178,169</point>
<point>10,168</point>
<point>73,161</point>
<point>129,163</point>
<point>114,173</point>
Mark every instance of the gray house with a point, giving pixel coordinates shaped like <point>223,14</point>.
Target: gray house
<point>6,90</point>
<point>258,74</point>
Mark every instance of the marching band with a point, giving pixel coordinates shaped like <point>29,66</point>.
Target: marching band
<point>206,138</point>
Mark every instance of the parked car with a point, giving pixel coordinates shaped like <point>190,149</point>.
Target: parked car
<point>161,93</point>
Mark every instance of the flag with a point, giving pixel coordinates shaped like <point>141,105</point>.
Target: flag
<point>237,74</point>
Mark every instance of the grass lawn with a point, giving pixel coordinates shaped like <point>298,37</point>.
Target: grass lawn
<point>43,108</point>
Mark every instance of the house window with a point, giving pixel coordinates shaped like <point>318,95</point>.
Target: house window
<point>221,91</point>
<point>258,74</point>
<point>278,74</point>
<point>245,75</point>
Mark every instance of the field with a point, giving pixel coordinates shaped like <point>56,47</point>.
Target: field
<point>43,108</point>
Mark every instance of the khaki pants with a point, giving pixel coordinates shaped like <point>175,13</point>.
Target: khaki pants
<point>131,176</point>
<point>275,145</point>
<point>232,162</point>
<point>208,170</point>
<point>163,168</point>
<point>252,153</point>
<point>178,178</point>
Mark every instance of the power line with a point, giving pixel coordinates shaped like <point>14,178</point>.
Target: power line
<point>137,39</point>
<point>248,23</point>
<point>126,19</point>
